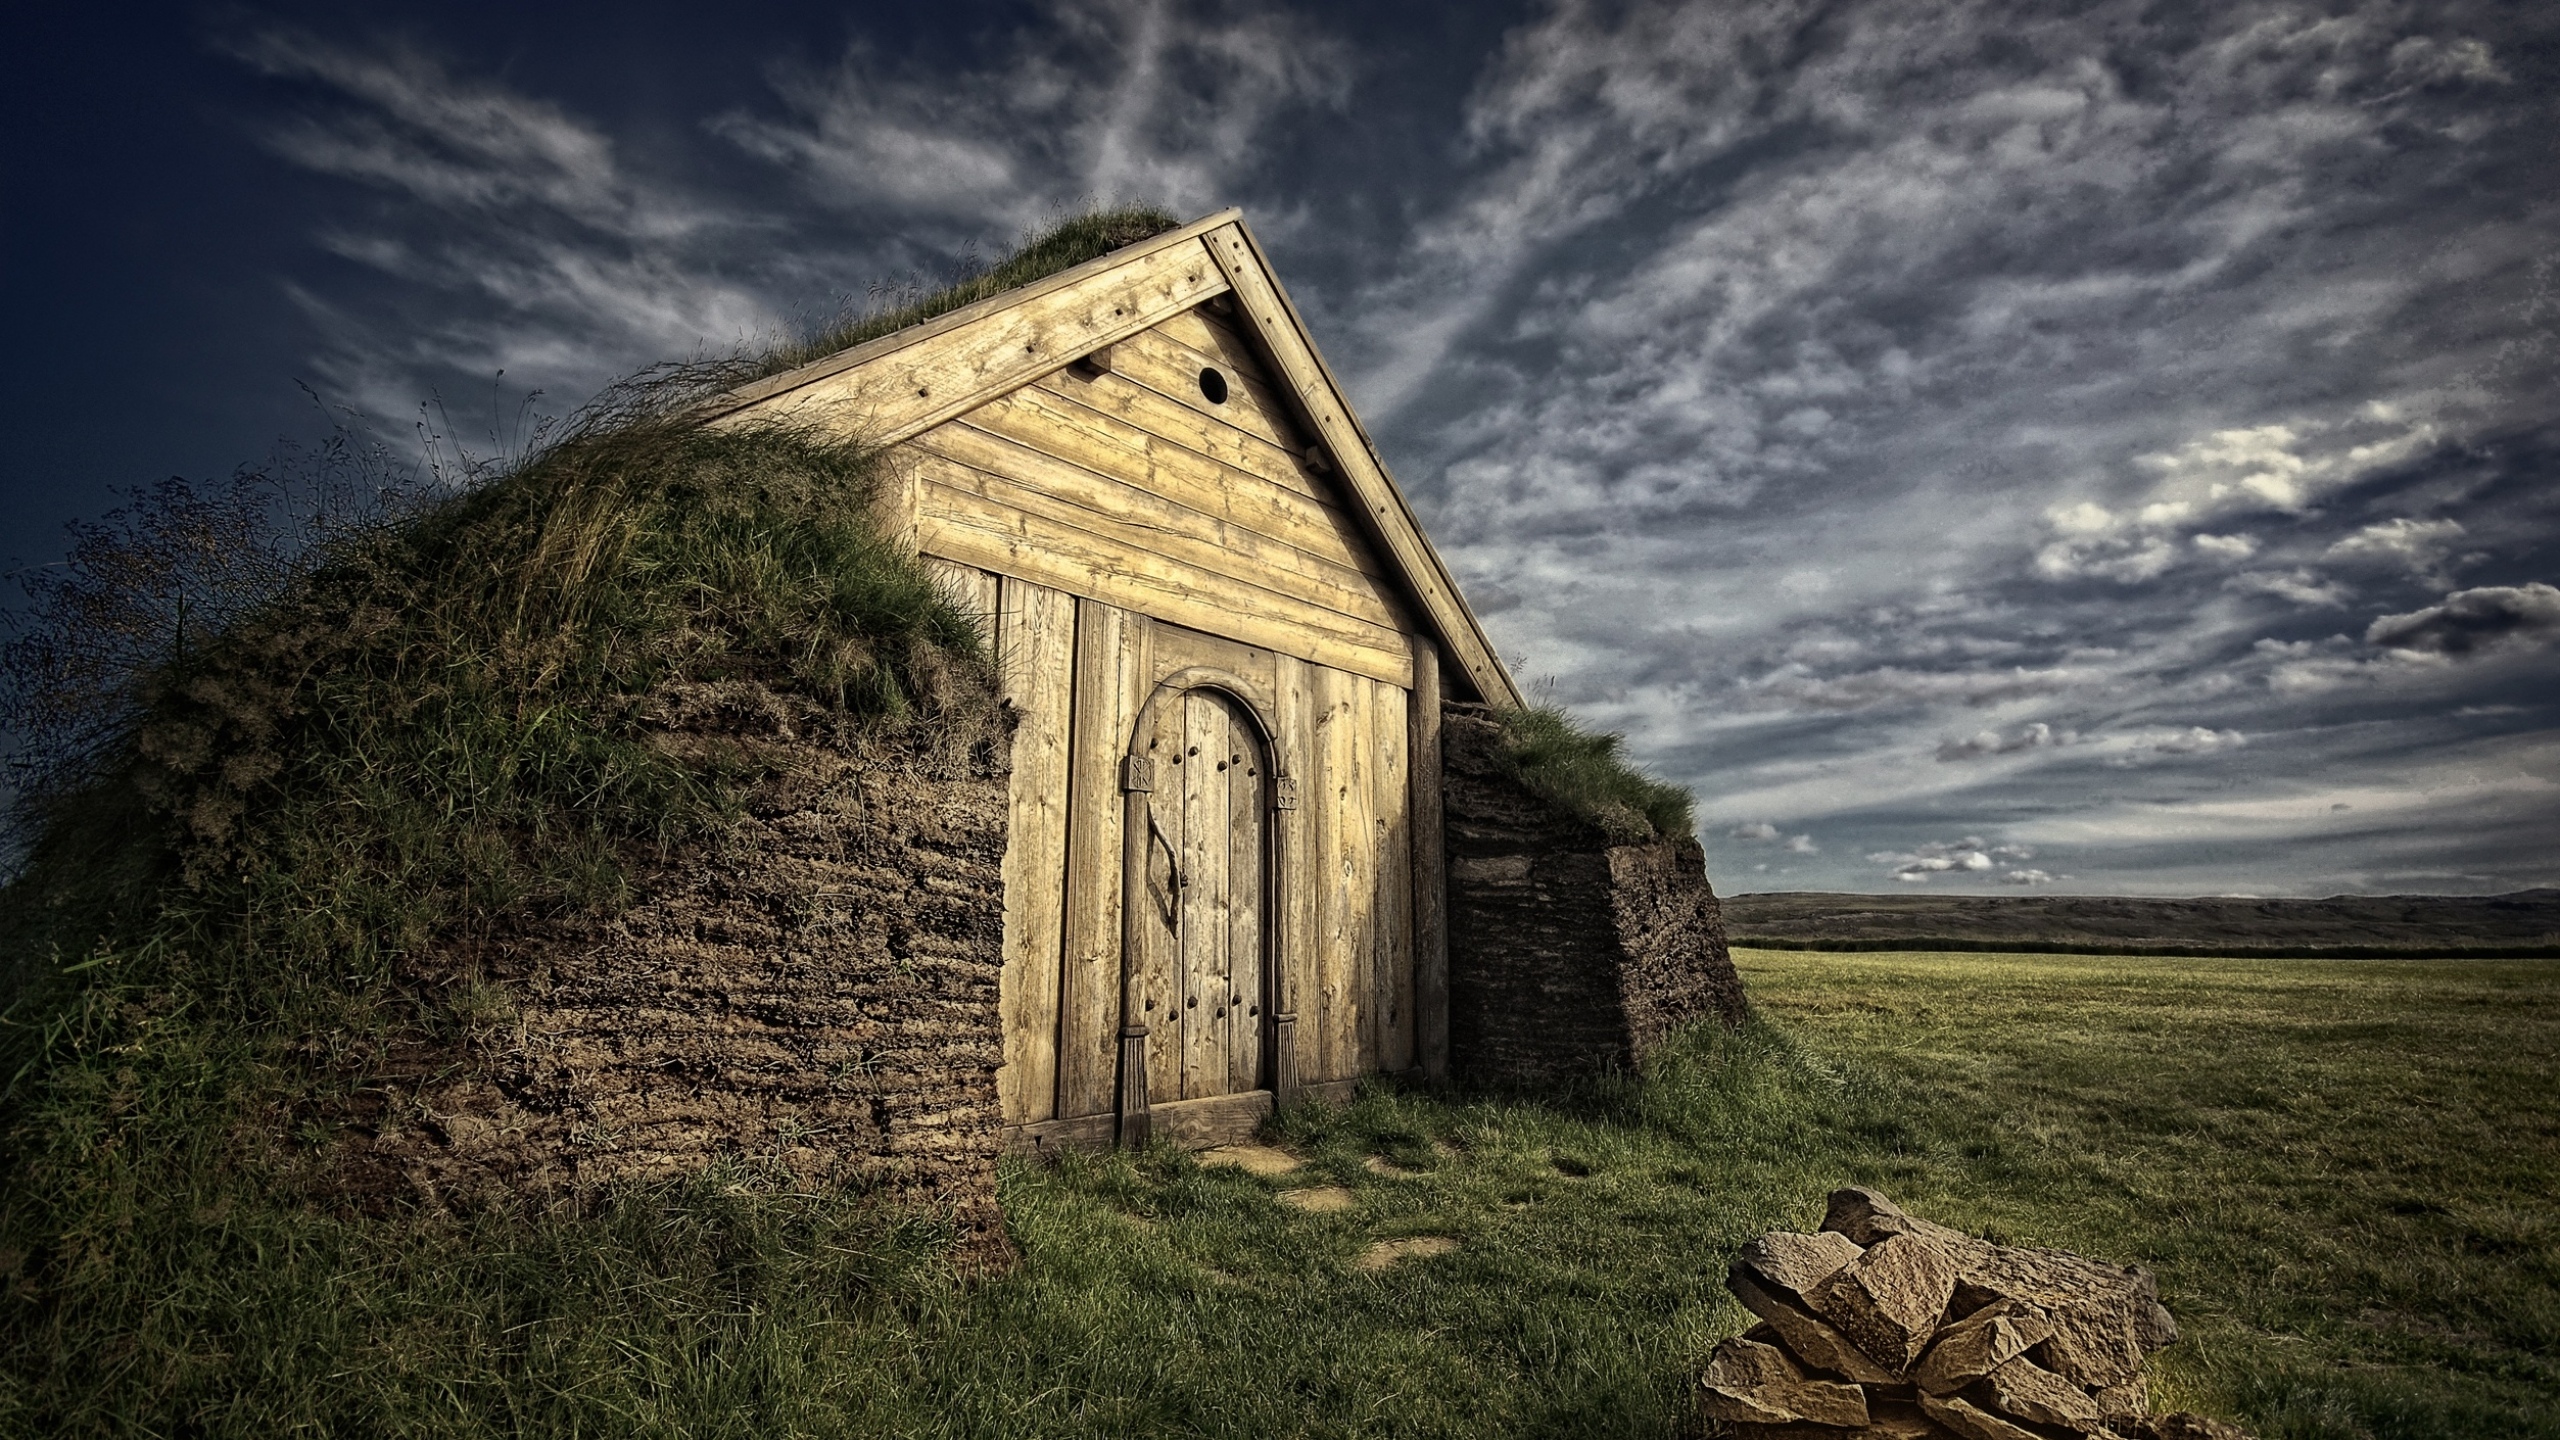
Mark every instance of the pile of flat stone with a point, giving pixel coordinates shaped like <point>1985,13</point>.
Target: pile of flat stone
<point>1884,1324</point>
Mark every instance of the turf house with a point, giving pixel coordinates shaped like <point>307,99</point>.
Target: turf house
<point>1227,641</point>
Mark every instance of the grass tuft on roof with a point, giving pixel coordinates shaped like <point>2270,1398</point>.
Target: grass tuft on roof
<point>1062,246</point>
<point>1588,774</point>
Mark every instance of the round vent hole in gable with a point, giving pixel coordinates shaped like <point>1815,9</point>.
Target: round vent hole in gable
<point>1214,386</point>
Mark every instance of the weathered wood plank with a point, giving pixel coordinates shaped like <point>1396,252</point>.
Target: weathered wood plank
<point>1191,1124</point>
<point>1210,437</point>
<point>1058,422</point>
<point>1005,472</point>
<point>1035,648</point>
<point>884,396</point>
<point>1430,868</point>
<point>1112,679</point>
<point>1248,827</point>
<point>1391,869</point>
<point>1251,666</point>
<point>1359,841</point>
<point>1125,416</point>
<point>1275,324</point>
<point>1338,822</point>
<point>1205,332</point>
<point>1172,369</point>
<point>958,525</point>
<point>1206,909</point>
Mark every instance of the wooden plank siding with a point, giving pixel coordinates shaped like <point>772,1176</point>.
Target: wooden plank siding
<point>1339,861</point>
<point>1035,648</point>
<point>1285,417</point>
<point>1114,673</point>
<point>1135,489</point>
<point>1004,472</point>
<point>1390,849</point>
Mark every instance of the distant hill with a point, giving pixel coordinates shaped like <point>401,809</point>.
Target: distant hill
<point>2521,924</point>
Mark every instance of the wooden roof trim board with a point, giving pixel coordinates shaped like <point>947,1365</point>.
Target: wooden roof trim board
<point>993,346</point>
<point>762,393</point>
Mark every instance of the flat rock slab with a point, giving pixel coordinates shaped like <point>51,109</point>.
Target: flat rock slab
<point>1981,1343</point>
<point>1806,1336</point>
<point>1386,1253</point>
<point>1319,1199</point>
<point>1971,1421</point>
<point>1890,1299</point>
<point>1751,1382</point>
<point>1381,1165</point>
<point>2030,1392</point>
<point>1793,1264</point>
<point>1251,1159</point>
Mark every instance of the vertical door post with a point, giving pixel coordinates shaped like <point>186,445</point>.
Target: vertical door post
<point>1137,781</point>
<point>1284,985</point>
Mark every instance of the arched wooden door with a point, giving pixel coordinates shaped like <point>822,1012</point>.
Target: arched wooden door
<point>1208,871</point>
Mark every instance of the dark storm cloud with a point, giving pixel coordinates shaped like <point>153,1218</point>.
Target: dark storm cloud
<point>2120,437</point>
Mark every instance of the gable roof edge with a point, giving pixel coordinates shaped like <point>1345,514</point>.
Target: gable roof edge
<point>1443,604</point>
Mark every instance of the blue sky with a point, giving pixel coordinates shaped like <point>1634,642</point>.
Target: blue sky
<point>2108,448</point>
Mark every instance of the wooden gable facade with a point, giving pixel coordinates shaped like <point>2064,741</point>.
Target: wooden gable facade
<point>1228,642</point>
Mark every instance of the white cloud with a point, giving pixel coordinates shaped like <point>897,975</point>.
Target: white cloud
<point>450,142</point>
<point>515,239</point>
<point>2479,621</point>
<point>2302,587</point>
<point>2194,740</point>
<point>2425,60</point>
<point>2085,518</point>
<point>2035,736</point>
<point>523,238</point>
<point>2280,468</point>
<point>1762,832</point>
<point>1968,856</point>
<point>2419,547</point>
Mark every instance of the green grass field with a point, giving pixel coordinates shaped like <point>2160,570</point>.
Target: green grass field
<point>2341,1171</point>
